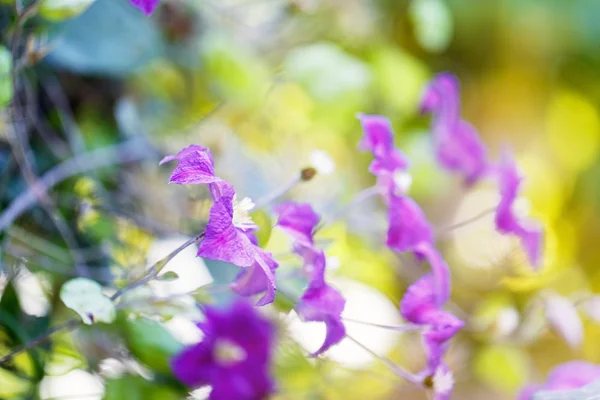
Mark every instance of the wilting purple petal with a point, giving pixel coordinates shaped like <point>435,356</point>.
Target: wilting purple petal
<point>408,224</point>
<point>458,147</point>
<point>570,375</point>
<point>529,232</point>
<point>147,6</point>
<point>233,357</point>
<point>195,166</point>
<point>419,307</point>
<point>298,221</point>
<point>378,138</point>
<point>324,304</point>
<point>222,240</point>
<point>257,279</point>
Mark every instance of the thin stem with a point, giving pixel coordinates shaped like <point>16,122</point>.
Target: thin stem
<point>359,198</point>
<point>401,328</point>
<point>130,151</point>
<point>389,363</point>
<point>66,326</point>
<point>155,269</point>
<point>277,193</point>
<point>71,324</point>
<point>446,230</point>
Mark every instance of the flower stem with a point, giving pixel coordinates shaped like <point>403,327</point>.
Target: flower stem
<point>443,232</point>
<point>399,328</point>
<point>277,193</point>
<point>359,198</point>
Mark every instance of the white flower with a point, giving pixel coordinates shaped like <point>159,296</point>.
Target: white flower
<point>322,162</point>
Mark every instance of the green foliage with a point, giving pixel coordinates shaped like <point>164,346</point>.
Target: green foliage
<point>6,86</point>
<point>150,343</point>
<point>265,225</point>
<point>58,10</point>
<point>137,388</point>
<point>86,298</point>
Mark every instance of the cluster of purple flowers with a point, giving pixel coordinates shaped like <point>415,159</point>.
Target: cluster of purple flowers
<point>234,355</point>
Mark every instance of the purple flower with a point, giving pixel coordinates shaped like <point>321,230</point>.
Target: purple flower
<point>529,232</point>
<point>419,307</point>
<point>233,356</point>
<point>226,239</point>
<point>147,6</point>
<point>298,221</point>
<point>228,235</point>
<point>457,145</point>
<point>571,375</point>
<point>320,302</point>
<point>408,229</point>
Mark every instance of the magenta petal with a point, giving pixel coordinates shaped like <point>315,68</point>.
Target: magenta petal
<point>222,241</point>
<point>528,391</point>
<point>529,232</point>
<point>418,300</point>
<point>244,330</point>
<point>254,280</point>
<point>324,304</point>
<point>378,138</point>
<point>298,221</point>
<point>408,224</point>
<point>195,166</point>
<point>570,375</point>
<point>441,272</point>
<point>147,6</point>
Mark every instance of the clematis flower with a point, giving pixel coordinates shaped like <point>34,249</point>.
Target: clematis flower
<point>147,6</point>
<point>408,229</point>
<point>419,307</point>
<point>225,239</point>
<point>228,235</point>
<point>234,355</point>
<point>320,302</point>
<point>529,232</point>
<point>457,145</point>
<point>570,375</point>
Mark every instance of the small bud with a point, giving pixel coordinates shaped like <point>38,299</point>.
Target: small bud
<point>308,173</point>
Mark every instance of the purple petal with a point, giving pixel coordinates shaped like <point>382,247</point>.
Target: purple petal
<point>247,377</point>
<point>442,98</point>
<point>572,375</point>
<point>254,280</point>
<point>222,241</point>
<point>196,166</point>
<point>408,224</point>
<point>147,6</point>
<point>418,300</point>
<point>441,272</point>
<point>298,221</point>
<point>324,304</point>
<point>378,138</point>
<point>529,232</point>
<point>314,264</point>
<point>443,383</point>
<point>528,391</point>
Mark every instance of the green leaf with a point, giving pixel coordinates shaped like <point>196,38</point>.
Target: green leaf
<point>58,10</point>
<point>151,343</point>
<point>137,388</point>
<point>326,71</point>
<point>168,276</point>
<point>265,224</point>
<point>85,297</point>
<point>588,392</point>
<point>6,87</point>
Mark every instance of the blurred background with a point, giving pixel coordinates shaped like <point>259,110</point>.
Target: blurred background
<point>265,84</point>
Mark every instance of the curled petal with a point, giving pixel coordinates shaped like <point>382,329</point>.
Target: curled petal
<point>408,224</point>
<point>418,300</point>
<point>529,232</point>
<point>324,304</point>
<point>222,241</point>
<point>254,280</point>
<point>195,166</point>
<point>298,221</point>
<point>378,138</point>
<point>440,270</point>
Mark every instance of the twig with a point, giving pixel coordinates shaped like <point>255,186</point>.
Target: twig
<point>130,151</point>
<point>446,230</point>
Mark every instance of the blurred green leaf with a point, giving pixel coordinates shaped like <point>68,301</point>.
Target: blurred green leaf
<point>265,225</point>
<point>6,87</point>
<point>433,24</point>
<point>110,38</point>
<point>137,388</point>
<point>151,343</point>
<point>58,10</point>
<point>85,297</point>
<point>168,276</point>
<point>327,72</point>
